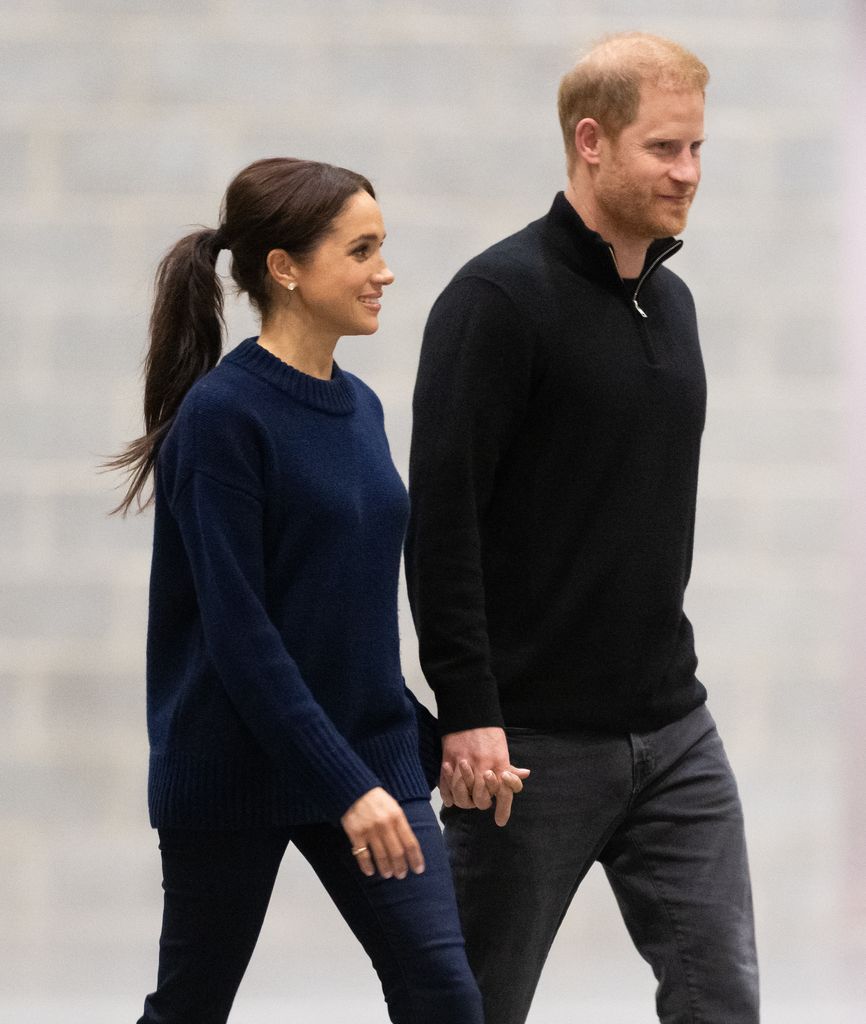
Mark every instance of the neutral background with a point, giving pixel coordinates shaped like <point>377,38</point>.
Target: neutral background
<point>121,121</point>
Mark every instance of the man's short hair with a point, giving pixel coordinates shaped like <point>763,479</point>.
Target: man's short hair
<point>605,84</point>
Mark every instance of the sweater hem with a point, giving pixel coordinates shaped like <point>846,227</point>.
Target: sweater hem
<point>185,791</point>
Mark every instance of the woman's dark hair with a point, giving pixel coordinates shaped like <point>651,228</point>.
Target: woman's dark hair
<point>278,203</point>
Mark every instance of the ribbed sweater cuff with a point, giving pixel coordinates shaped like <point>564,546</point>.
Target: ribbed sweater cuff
<point>338,774</point>
<point>394,758</point>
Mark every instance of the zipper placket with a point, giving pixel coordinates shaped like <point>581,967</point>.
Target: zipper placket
<point>659,259</point>
<point>643,330</point>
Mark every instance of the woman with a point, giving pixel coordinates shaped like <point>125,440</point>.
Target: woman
<point>276,708</point>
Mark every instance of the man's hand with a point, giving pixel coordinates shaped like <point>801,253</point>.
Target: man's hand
<point>476,769</point>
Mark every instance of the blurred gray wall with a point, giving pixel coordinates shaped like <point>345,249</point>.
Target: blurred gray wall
<point>120,124</point>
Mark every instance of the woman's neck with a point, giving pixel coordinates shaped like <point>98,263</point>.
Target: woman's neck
<point>306,350</point>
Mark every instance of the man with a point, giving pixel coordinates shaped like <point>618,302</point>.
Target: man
<point>558,415</point>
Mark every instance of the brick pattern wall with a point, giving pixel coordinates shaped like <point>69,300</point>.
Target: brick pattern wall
<point>120,124</point>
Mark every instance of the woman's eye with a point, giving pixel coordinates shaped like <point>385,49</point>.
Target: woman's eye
<point>362,252</point>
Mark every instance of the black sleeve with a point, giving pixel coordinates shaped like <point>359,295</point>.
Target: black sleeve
<point>473,385</point>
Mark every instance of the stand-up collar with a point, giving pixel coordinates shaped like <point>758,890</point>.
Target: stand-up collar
<point>587,252</point>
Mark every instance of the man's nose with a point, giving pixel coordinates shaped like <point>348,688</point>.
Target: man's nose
<point>687,168</point>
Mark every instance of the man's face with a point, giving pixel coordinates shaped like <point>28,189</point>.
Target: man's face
<point>647,178</point>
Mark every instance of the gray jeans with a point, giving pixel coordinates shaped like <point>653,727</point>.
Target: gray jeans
<point>660,811</point>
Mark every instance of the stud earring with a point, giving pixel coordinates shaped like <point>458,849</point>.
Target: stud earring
<point>291,286</point>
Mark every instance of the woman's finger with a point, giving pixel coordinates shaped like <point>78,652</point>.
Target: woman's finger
<point>462,796</point>
<point>396,851</point>
<point>475,787</point>
<point>380,856</point>
<point>364,858</point>
<point>411,846</point>
<point>446,779</point>
<point>491,781</point>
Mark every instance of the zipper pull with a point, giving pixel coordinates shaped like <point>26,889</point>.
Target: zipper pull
<point>637,307</point>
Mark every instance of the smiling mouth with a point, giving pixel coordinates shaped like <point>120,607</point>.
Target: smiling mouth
<point>372,301</point>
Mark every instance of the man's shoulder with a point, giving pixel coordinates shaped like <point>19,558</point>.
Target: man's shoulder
<point>510,262</point>
<point>674,286</point>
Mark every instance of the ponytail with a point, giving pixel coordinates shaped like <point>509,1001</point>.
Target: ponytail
<point>185,342</point>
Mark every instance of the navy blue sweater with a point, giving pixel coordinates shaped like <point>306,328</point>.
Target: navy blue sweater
<point>274,687</point>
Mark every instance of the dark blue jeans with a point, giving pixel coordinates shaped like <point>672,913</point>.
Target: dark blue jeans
<point>660,811</point>
<point>217,888</point>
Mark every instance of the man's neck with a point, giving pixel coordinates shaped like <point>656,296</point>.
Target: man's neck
<point>629,253</point>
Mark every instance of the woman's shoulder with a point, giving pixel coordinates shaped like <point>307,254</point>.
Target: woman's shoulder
<point>221,398</point>
<point>216,427</point>
<point>365,397</point>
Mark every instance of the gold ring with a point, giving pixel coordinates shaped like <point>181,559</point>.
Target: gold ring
<point>358,849</point>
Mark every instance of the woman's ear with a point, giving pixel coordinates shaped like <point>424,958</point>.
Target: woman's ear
<point>281,268</point>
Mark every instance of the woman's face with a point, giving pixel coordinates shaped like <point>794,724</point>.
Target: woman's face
<point>339,287</point>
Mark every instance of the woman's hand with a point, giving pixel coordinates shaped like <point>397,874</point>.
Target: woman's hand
<point>381,837</point>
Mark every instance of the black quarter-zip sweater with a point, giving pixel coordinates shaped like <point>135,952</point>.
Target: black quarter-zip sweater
<point>557,423</point>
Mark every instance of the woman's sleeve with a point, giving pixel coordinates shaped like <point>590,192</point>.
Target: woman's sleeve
<point>222,530</point>
<point>429,741</point>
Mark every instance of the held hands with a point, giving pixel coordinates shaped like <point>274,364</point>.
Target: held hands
<point>381,837</point>
<point>476,770</point>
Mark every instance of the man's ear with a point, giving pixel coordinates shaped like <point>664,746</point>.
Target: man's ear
<point>587,140</point>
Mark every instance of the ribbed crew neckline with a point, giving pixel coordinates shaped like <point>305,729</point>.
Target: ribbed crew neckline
<point>336,395</point>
